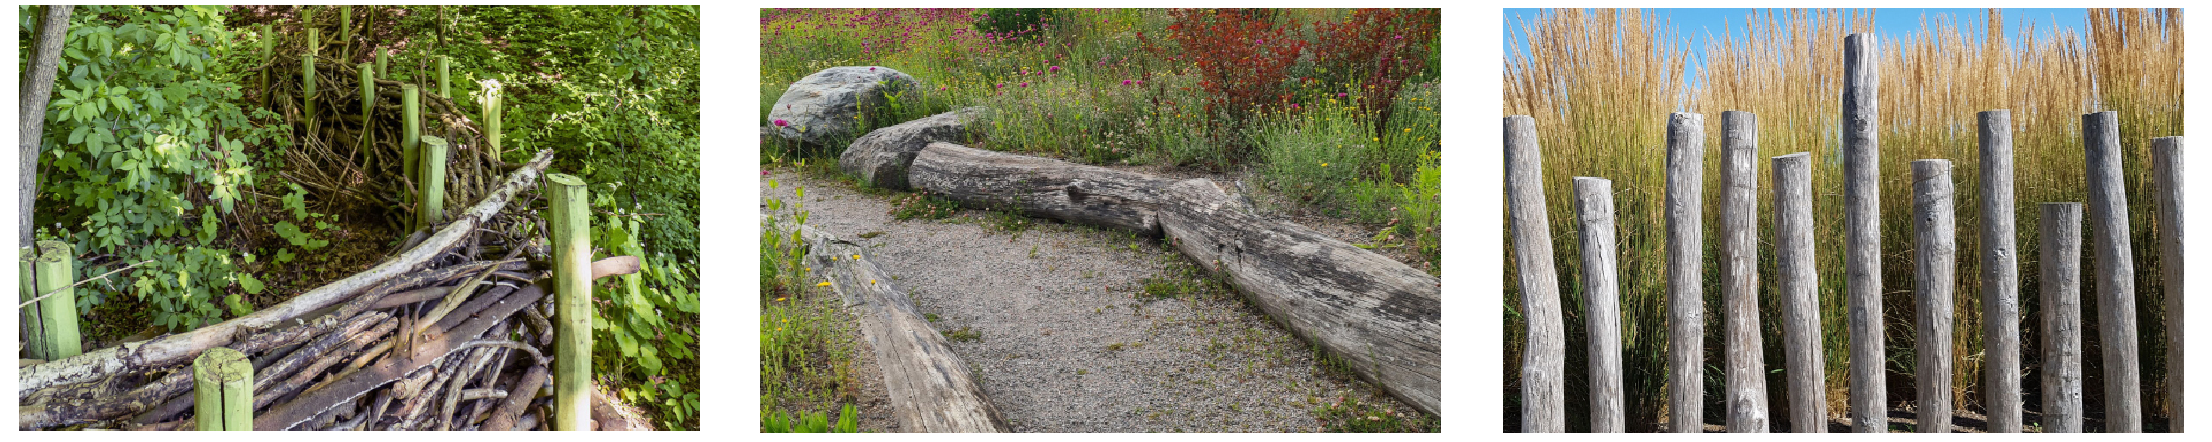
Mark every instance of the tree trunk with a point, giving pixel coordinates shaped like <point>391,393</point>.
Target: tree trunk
<point>1043,187</point>
<point>38,90</point>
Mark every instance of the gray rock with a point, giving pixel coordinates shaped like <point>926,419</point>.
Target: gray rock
<point>882,156</point>
<point>822,106</point>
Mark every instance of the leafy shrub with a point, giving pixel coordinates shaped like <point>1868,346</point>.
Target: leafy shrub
<point>650,318</point>
<point>1243,58</point>
<point>148,161</point>
<point>1013,22</point>
<point>778,422</point>
<point>1378,50</point>
<point>1317,156</point>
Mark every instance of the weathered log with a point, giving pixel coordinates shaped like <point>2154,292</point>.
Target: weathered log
<point>2115,275</point>
<point>1039,186</point>
<point>1746,385</point>
<point>1935,248</point>
<point>1798,284</point>
<point>442,343</point>
<point>931,390</point>
<point>518,397</point>
<point>1601,302</point>
<point>881,157</point>
<point>1380,315</point>
<point>81,402</point>
<point>176,349</point>
<point>1862,233</point>
<point>1685,213</point>
<point>2000,282</point>
<point>2166,171</point>
<point>1544,362</point>
<point>2060,226</point>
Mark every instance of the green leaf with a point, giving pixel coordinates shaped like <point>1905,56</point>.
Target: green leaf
<point>252,285</point>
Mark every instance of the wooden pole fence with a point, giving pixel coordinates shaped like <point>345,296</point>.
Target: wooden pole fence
<point>1935,247</point>
<point>432,210</point>
<point>2060,230</point>
<point>1799,286</point>
<point>1739,272</point>
<point>222,390</point>
<point>2000,281</point>
<point>1685,261</point>
<point>1601,302</point>
<point>56,270</point>
<point>1862,234</point>
<point>570,216</point>
<point>2166,170</point>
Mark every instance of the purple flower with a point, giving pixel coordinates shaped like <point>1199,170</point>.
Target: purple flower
<point>1140,82</point>
<point>1294,106</point>
<point>1125,82</point>
<point>1341,95</point>
<point>1025,84</point>
<point>1259,41</point>
<point>781,123</point>
<point>1000,86</point>
<point>870,68</point>
<point>1055,68</point>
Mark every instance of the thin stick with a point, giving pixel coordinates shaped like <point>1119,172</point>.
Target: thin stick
<point>59,290</point>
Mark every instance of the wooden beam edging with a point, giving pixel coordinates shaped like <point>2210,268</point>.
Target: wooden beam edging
<point>1381,315</point>
<point>179,348</point>
<point>931,390</point>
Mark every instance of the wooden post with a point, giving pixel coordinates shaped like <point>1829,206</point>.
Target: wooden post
<point>268,54</point>
<point>2166,169</point>
<point>1739,272</point>
<point>34,333</point>
<point>307,89</point>
<point>570,216</point>
<point>314,39</point>
<point>2000,282</point>
<point>1935,248</point>
<point>432,197</point>
<point>1862,234</point>
<point>410,106</point>
<point>2061,282</point>
<point>445,73</point>
<point>222,390</point>
<point>1543,364</point>
<point>368,93</point>
<point>345,32</point>
<point>2108,213</point>
<point>494,102</point>
<point>1685,261</point>
<point>56,270</point>
<point>1799,288</point>
<point>1601,302</point>
<point>383,60</point>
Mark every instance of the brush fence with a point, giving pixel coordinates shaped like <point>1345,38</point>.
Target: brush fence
<point>1935,259</point>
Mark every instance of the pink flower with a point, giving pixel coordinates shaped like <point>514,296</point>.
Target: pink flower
<point>1341,95</point>
<point>763,173</point>
<point>1125,82</point>
<point>1140,82</point>
<point>1294,106</point>
<point>1055,69</point>
<point>1000,86</point>
<point>870,68</point>
<point>781,123</point>
<point>1025,84</point>
<point>1259,41</point>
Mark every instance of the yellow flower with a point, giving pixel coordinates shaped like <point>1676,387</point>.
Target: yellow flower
<point>1324,164</point>
<point>856,256</point>
<point>1378,139</point>
<point>781,299</point>
<point>823,284</point>
<point>871,281</point>
<point>1409,130</point>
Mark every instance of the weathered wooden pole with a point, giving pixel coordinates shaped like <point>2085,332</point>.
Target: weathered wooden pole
<point>432,197</point>
<point>34,332</point>
<point>222,390</point>
<point>445,73</point>
<point>345,32</point>
<point>383,61</point>
<point>268,54</point>
<point>570,216</point>
<point>314,40</point>
<point>1685,215</point>
<point>1739,272</point>
<point>56,270</point>
<point>1799,288</point>
<point>1862,234</point>
<point>2108,213</point>
<point>1935,248</point>
<point>2000,282</point>
<point>1544,362</point>
<point>2166,164</point>
<point>494,102</point>
<point>2060,227</point>
<point>410,106</point>
<point>1601,302</point>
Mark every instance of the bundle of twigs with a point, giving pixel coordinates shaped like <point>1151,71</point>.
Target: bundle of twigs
<point>441,337</point>
<point>354,161</point>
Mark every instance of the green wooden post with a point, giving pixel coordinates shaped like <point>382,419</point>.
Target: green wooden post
<point>222,390</point>
<point>314,40</point>
<point>345,32</point>
<point>410,104</point>
<point>494,100</point>
<point>34,333</point>
<point>368,91</point>
<point>56,270</point>
<point>570,217</point>
<point>432,210</point>
<point>307,88</point>
<point>383,59</point>
<point>445,73</point>
<point>268,47</point>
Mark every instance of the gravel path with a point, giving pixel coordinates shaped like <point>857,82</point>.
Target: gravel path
<point>1066,339</point>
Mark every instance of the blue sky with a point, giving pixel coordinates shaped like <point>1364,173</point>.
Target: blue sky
<point>1695,25</point>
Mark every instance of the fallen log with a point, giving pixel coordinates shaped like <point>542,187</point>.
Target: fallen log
<point>1043,187</point>
<point>1380,315</point>
<point>931,390</point>
<point>176,349</point>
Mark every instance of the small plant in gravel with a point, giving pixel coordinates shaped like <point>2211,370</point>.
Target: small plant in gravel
<point>778,422</point>
<point>964,334</point>
<point>1350,415</point>
<point>924,206</point>
<point>805,351</point>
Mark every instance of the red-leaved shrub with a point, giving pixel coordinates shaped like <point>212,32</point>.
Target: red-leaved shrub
<point>1378,49</point>
<point>1243,57</point>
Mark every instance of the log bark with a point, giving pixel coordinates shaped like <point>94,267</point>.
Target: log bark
<point>1799,286</point>
<point>931,390</point>
<point>510,409</point>
<point>1544,362</point>
<point>176,349</point>
<point>2000,282</point>
<point>1685,213</point>
<point>75,403</point>
<point>1380,315</point>
<point>2166,168</point>
<point>1862,233</point>
<point>1601,302</point>
<point>2108,215</point>
<point>2061,291</point>
<point>1039,186</point>
<point>1935,247</point>
<point>1739,272</point>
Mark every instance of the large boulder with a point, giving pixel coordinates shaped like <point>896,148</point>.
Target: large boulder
<point>882,156</point>
<point>823,106</point>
